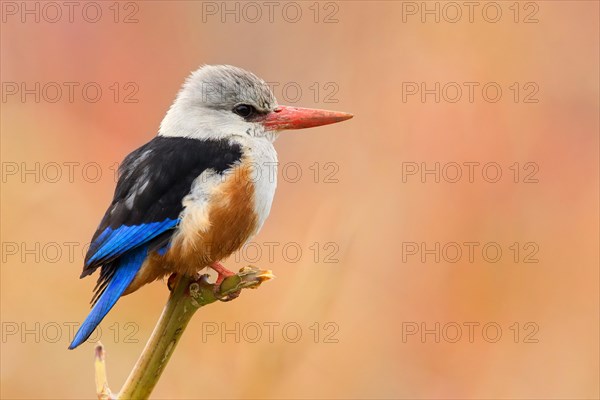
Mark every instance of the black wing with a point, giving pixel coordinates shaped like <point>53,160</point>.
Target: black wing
<point>153,180</point>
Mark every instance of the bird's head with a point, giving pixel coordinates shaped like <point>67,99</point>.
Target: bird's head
<point>221,101</point>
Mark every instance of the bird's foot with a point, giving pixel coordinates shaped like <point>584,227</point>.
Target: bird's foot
<point>222,274</point>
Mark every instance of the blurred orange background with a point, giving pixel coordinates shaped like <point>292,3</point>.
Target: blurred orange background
<point>360,308</point>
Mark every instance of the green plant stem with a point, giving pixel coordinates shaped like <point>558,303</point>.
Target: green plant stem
<point>187,296</point>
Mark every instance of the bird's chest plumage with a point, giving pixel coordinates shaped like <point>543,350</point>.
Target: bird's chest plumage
<point>224,210</point>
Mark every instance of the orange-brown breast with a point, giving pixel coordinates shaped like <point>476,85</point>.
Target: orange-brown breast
<point>209,230</point>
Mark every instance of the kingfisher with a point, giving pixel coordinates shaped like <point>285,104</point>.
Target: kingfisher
<point>198,191</point>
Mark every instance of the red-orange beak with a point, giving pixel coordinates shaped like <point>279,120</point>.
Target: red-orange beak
<point>284,117</point>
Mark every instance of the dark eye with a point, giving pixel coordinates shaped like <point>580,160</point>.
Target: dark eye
<point>244,110</point>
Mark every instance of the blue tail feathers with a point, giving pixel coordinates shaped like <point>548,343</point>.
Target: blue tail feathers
<point>128,266</point>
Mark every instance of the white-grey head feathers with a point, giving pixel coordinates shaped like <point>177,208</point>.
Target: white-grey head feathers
<point>203,107</point>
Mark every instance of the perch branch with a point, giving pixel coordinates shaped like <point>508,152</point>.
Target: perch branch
<point>102,389</point>
<point>187,296</point>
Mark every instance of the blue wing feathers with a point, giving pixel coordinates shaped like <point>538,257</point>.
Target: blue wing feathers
<point>126,270</point>
<point>129,246</point>
<point>112,243</point>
